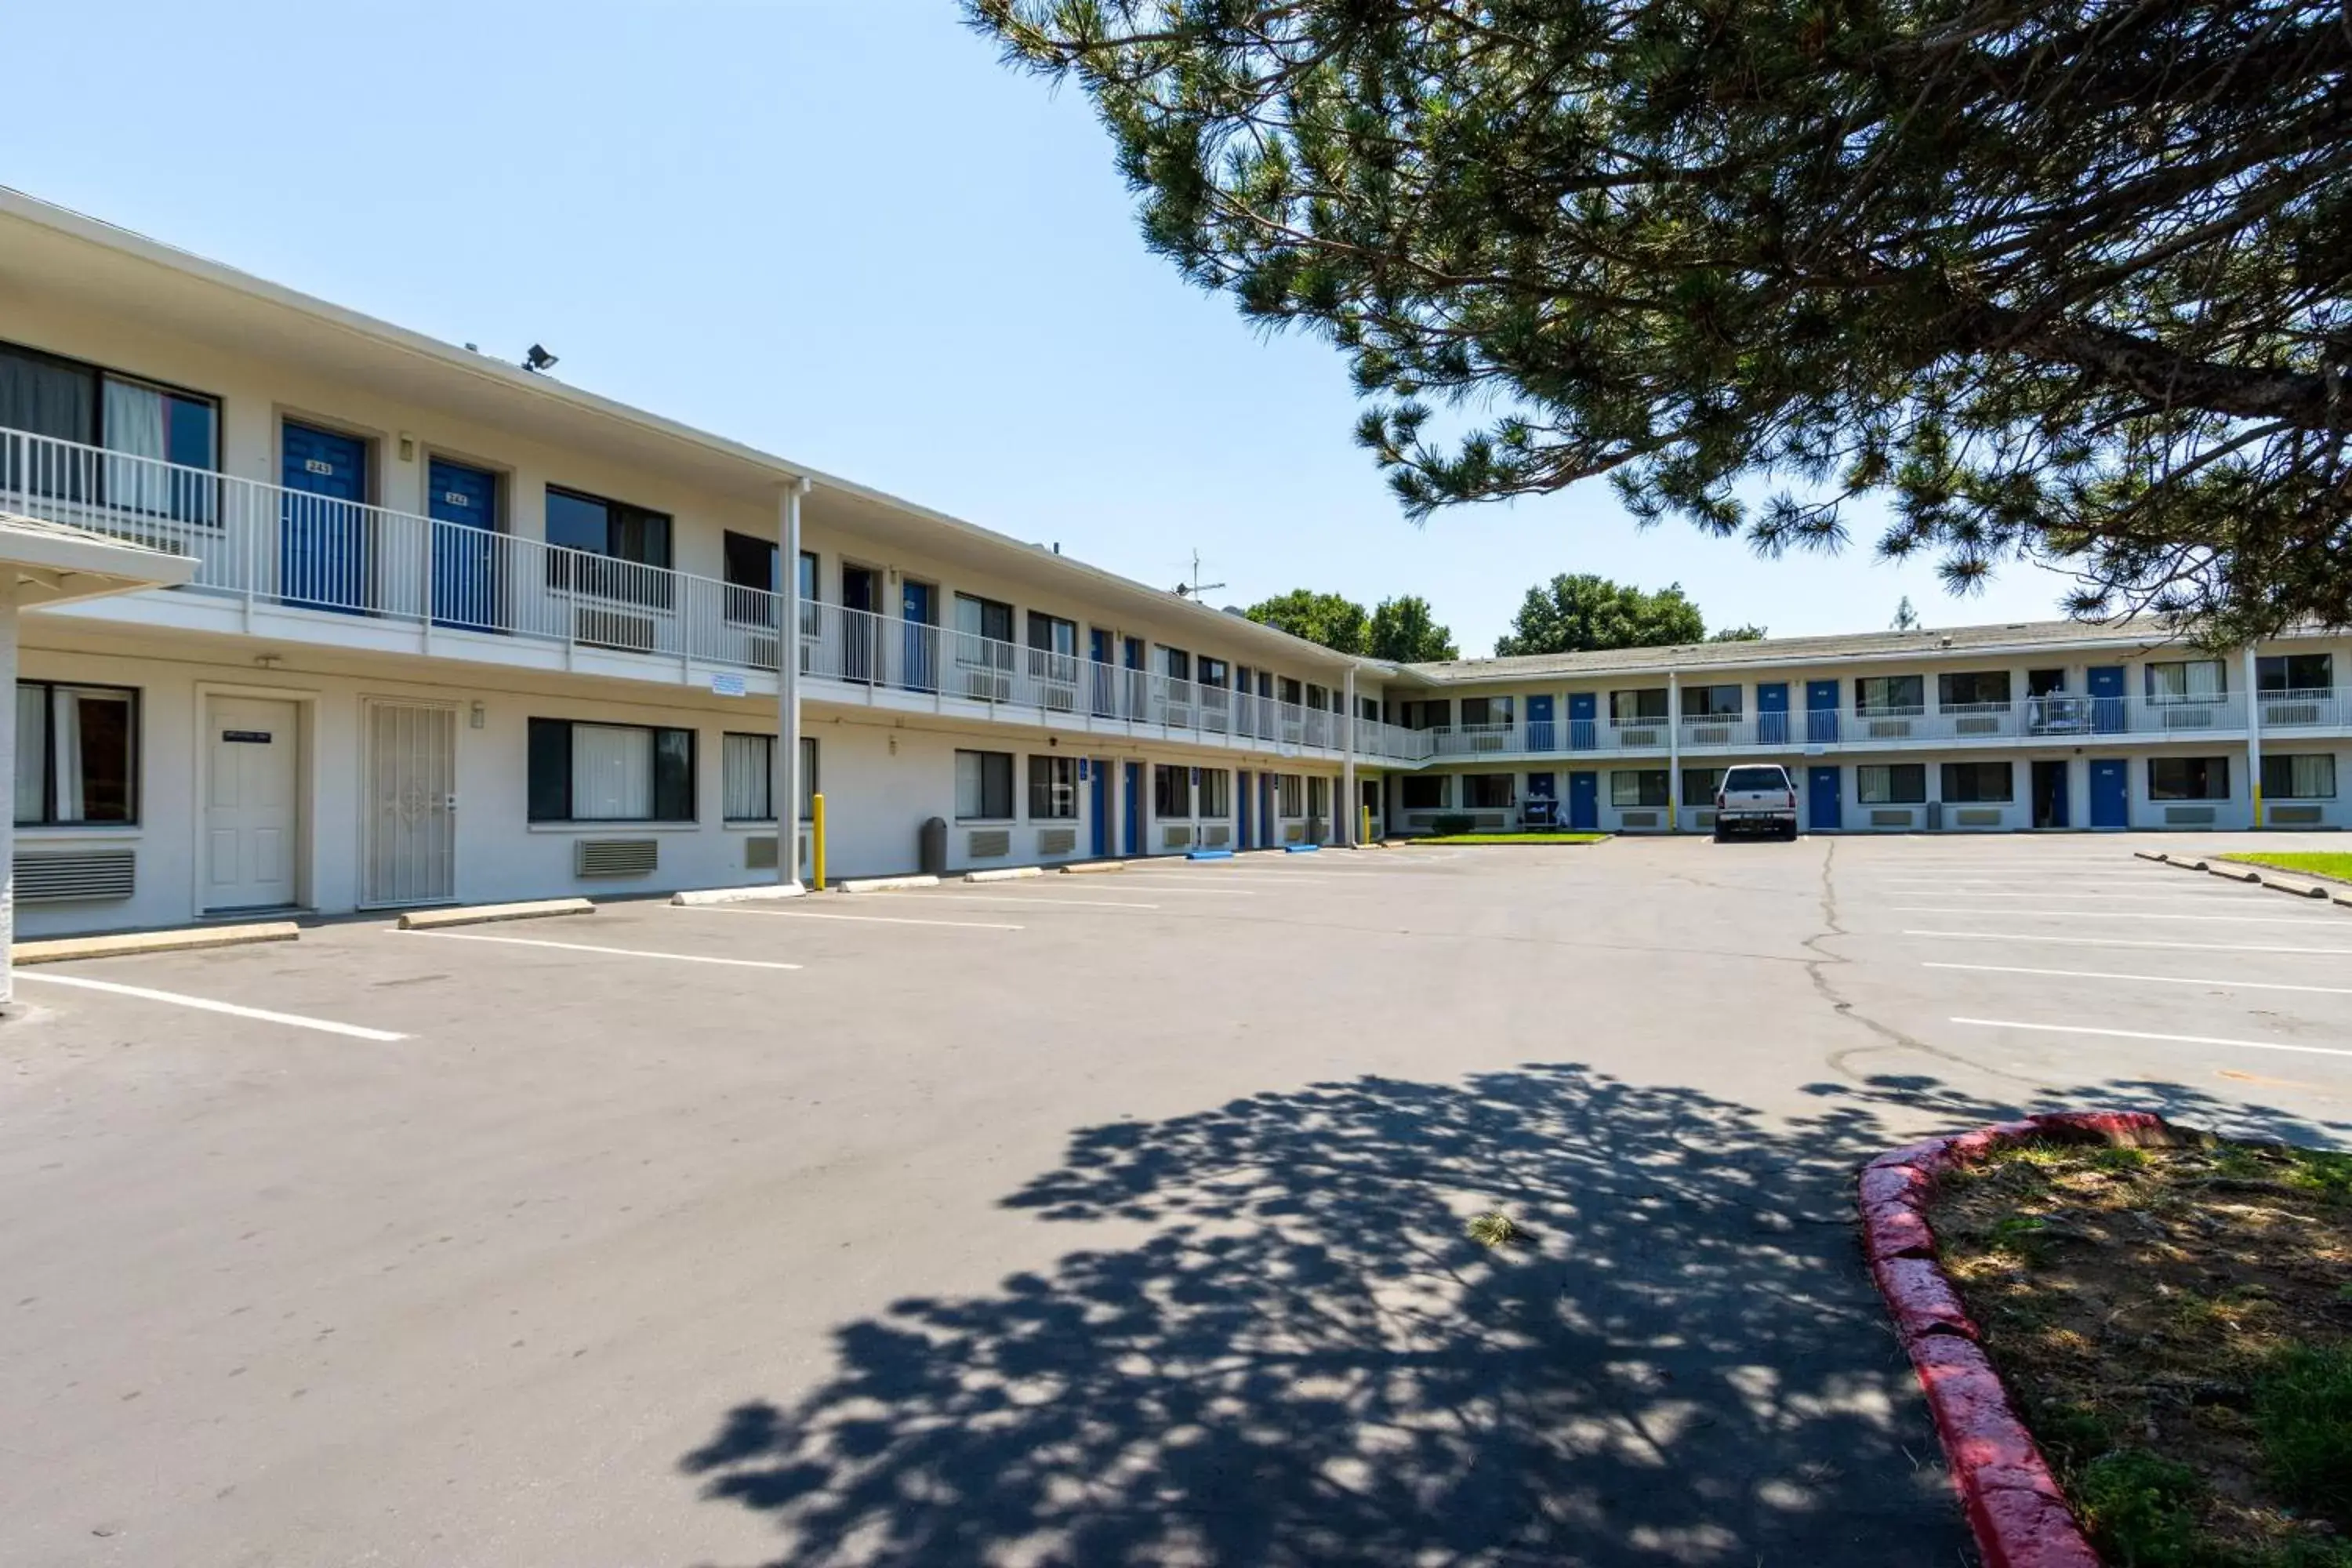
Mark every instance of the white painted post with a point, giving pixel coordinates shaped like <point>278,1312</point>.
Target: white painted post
<point>787,802</point>
<point>1674,753</point>
<point>1348,809</point>
<point>2253,736</point>
<point>8,771</point>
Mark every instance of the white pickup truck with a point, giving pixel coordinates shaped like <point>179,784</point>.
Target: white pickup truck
<point>1756,798</point>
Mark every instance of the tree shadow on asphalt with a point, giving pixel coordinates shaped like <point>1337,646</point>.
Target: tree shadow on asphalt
<point>1308,1361</point>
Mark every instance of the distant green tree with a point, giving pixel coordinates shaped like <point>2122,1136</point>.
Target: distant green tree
<point>1737,634</point>
<point>1582,613</point>
<point>1403,630</point>
<point>1332,619</point>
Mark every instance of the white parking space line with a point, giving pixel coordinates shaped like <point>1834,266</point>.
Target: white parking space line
<point>2111,898</point>
<point>2143,1035</point>
<point>2038,939</point>
<point>616,952</point>
<point>857,919</point>
<point>1040,898</point>
<point>206,1005</point>
<point>2145,979</point>
<point>2118,915</point>
<point>1158,888</point>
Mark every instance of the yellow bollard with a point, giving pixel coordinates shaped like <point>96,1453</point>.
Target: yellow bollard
<point>817,841</point>
<point>1364,831</point>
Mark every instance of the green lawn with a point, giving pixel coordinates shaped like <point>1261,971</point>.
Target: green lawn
<point>2335,863</point>
<point>1511,838</point>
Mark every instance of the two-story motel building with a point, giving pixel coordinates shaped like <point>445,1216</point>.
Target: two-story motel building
<point>460,632</point>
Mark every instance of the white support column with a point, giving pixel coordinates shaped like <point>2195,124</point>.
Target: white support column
<point>8,771</point>
<point>788,692</point>
<point>2253,736</point>
<point>1350,809</point>
<point>1674,753</point>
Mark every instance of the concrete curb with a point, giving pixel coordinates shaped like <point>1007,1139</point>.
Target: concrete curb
<point>484,914</point>
<point>2294,885</point>
<point>1007,874</point>
<point>2015,1505</point>
<point>884,884</point>
<point>123,944</point>
<point>1094,867</point>
<point>760,892</point>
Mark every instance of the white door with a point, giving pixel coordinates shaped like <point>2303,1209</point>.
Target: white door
<point>252,804</point>
<point>412,829</point>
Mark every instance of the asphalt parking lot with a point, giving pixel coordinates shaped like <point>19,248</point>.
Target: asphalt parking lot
<point>1083,1220</point>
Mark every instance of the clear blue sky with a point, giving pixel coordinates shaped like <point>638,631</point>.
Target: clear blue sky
<point>837,229</point>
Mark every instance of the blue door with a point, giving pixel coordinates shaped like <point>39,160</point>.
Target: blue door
<point>1824,790</point>
<point>1584,802</point>
<point>1106,684</point>
<point>1266,811</point>
<point>1540,726</point>
<point>2110,790</point>
<point>1242,797</point>
<point>1771,713</point>
<point>464,506</point>
<point>323,525</point>
<point>1098,803</point>
<point>1134,793</point>
<point>2107,682</point>
<point>919,606</point>
<point>1821,712</point>
<point>1542,809</point>
<point>1582,728</point>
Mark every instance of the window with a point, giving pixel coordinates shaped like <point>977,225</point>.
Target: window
<point>1489,792</point>
<point>1318,798</point>
<point>1052,634</point>
<point>1290,691</point>
<point>2045,682</point>
<point>2295,672</point>
<point>1486,711</point>
<point>1699,785</point>
<point>1176,663</point>
<point>1214,672</point>
<point>2292,776</point>
<point>1889,694</point>
<point>2187,680</point>
<point>808,594</point>
<point>629,547</point>
<point>77,754</point>
<point>1435,714</point>
<point>2188,778</point>
<point>1425,792</point>
<point>1647,706</point>
<point>1986,782</point>
<point>1637,786</point>
<point>976,617</point>
<point>747,767</point>
<point>751,580</point>
<point>1217,793</point>
<point>610,772</point>
<point>70,401</point>
<point>1172,790</point>
<point>1890,783</point>
<point>1965,688</point>
<point>984,786</point>
<point>1290,797</point>
<point>1052,788</point>
<point>1317,697</point>
<point>1712,702</point>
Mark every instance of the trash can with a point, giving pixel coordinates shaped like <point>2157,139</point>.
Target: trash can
<point>931,847</point>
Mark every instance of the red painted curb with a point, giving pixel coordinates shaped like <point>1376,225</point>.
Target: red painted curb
<point>2014,1504</point>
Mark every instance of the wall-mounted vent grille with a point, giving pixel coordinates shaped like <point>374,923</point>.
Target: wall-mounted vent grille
<point>1638,819</point>
<point>989,842</point>
<point>1886,728</point>
<point>1975,817</point>
<point>614,856</point>
<point>985,683</point>
<point>1293,833</point>
<point>1710,734</point>
<point>1175,835</point>
<point>1702,819</point>
<point>759,854</point>
<point>2290,712</point>
<point>2188,817</point>
<point>2280,815</point>
<point>1215,835</point>
<point>1976,724</point>
<point>2187,718</point>
<point>1058,841</point>
<point>1637,738</point>
<point>1883,818</point>
<point>615,629</point>
<point>1489,742</point>
<point>56,877</point>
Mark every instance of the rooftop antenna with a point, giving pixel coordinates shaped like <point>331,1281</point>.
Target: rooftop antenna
<point>1195,588</point>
